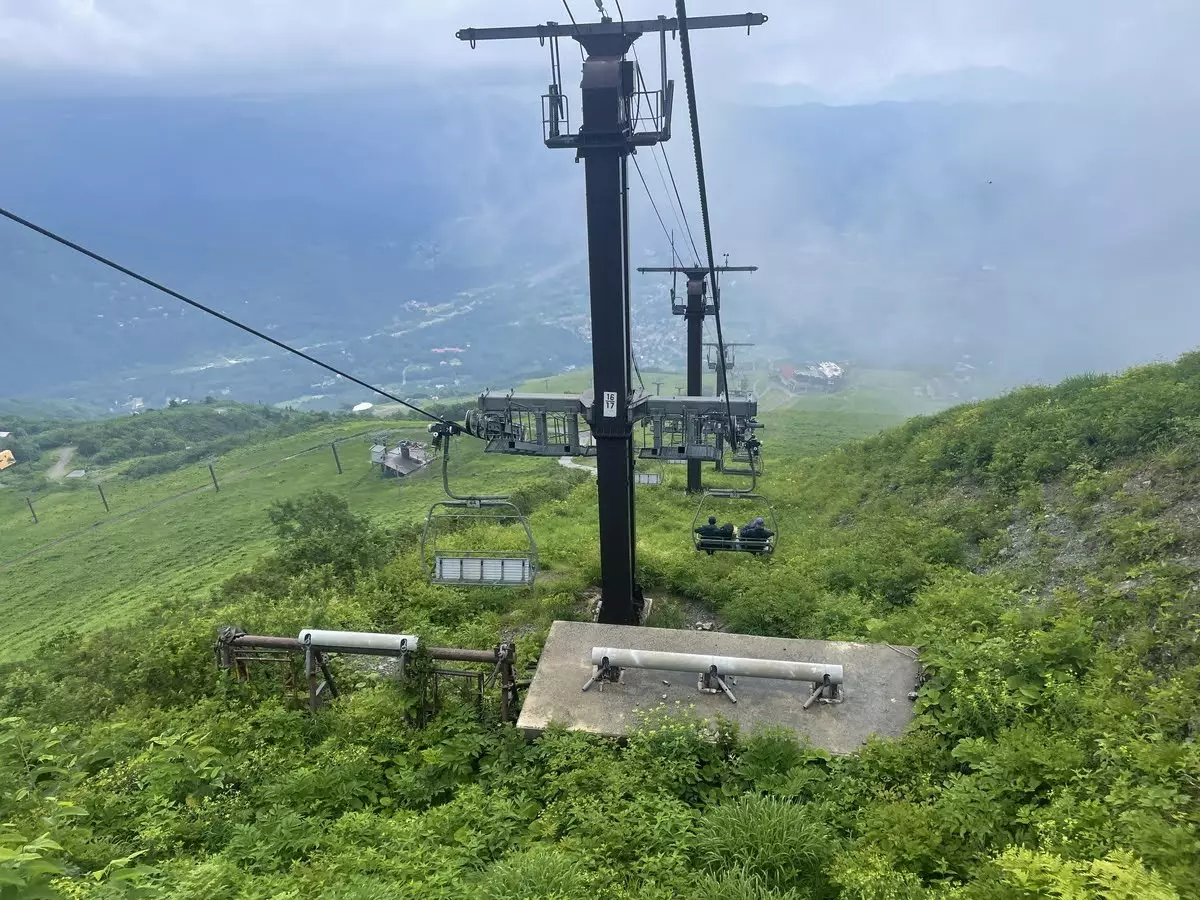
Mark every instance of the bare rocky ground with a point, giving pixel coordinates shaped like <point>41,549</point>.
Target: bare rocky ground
<point>1068,536</point>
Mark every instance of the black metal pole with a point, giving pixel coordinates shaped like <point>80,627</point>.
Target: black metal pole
<point>605,87</point>
<point>333,447</point>
<point>604,141</point>
<point>694,316</point>
<point>636,595</point>
<point>103,499</point>
<point>31,512</point>
<point>216,486</point>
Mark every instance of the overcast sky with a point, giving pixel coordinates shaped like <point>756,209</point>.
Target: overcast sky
<point>837,49</point>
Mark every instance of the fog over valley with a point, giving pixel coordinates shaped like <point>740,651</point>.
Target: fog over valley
<point>1010,186</point>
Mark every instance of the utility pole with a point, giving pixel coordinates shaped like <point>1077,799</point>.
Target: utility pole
<point>693,311</point>
<point>610,131</point>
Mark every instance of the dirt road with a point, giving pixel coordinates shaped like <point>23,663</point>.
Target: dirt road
<point>58,471</point>
<point>567,463</point>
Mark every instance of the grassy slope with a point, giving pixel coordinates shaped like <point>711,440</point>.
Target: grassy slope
<point>1043,550</point>
<point>115,567</point>
<point>112,566</point>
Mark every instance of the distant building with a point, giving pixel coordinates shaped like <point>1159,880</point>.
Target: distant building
<point>5,434</point>
<point>407,457</point>
<point>825,376</point>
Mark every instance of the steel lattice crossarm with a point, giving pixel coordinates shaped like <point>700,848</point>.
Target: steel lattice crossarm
<point>534,424</point>
<point>632,29</point>
<point>611,40</point>
<point>697,285</point>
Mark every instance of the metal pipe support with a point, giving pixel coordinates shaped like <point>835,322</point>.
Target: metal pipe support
<point>726,665</point>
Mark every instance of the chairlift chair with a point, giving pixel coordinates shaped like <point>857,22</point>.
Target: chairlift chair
<point>743,461</point>
<point>474,568</point>
<point>651,473</point>
<point>710,544</point>
<point>746,458</point>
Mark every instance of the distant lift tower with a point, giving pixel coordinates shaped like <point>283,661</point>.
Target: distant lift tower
<point>694,309</point>
<point>714,363</point>
<point>611,129</point>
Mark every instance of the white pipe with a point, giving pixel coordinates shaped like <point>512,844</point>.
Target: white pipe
<point>726,665</point>
<point>360,641</point>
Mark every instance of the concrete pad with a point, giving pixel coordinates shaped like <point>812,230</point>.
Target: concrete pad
<point>878,679</point>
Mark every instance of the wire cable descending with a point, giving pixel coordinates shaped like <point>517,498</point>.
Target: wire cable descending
<point>567,6</point>
<point>653,205</point>
<point>676,209</point>
<point>690,84</point>
<point>45,232</point>
<point>679,201</point>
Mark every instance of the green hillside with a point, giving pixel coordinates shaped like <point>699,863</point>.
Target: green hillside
<point>171,536</point>
<point>1042,550</point>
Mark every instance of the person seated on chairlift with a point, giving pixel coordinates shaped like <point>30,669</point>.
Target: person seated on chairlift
<point>755,533</point>
<point>713,535</point>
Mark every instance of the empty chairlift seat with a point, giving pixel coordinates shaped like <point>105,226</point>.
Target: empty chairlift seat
<point>481,568</point>
<point>455,566</point>
<point>444,559</point>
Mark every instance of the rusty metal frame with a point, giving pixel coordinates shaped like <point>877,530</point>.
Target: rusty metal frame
<point>235,648</point>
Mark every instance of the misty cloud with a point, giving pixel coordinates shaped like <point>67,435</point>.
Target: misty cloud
<point>1009,178</point>
<point>837,50</point>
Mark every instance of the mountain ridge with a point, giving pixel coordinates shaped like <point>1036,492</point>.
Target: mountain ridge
<point>993,229</point>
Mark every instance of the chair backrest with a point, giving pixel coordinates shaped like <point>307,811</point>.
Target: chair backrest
<point>450,569</point>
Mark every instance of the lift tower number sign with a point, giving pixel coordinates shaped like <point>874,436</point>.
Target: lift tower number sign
<point>610,404</point>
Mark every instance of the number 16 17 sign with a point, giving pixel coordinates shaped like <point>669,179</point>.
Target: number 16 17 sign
<point>610,404</point>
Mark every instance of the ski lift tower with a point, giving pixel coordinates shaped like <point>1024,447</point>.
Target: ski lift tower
<point>694,309</point>
<point>723,368</point>
<point>618,118</point>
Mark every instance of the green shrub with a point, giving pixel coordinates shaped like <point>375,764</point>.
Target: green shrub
<point>540,873</point>
<point>783,843</point>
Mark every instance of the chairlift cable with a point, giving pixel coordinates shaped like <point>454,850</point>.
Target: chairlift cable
<point>576,24</point>
<point>662,224</point>
<point>689,83</point>
<point>679,213</point>
<point>45,232</point>
<point>679,201</point>
<point>677,209</point>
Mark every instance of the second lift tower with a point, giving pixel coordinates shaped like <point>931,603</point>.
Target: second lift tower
<point>694,309</point>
